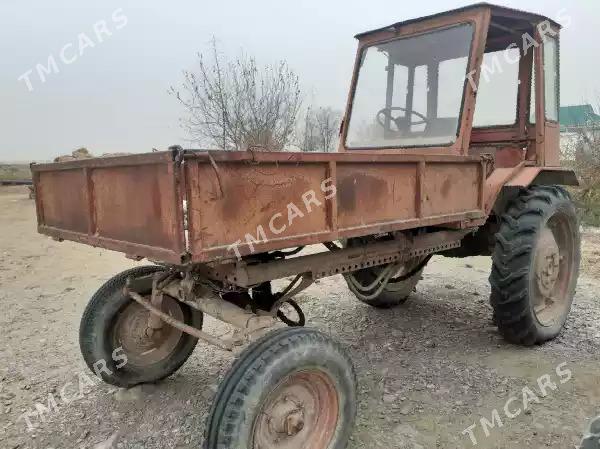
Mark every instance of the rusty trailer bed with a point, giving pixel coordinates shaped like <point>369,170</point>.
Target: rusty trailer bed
<point>197,206</point>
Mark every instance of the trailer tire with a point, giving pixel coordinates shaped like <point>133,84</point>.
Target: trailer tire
<point>535,265</point>
<point>295,382</point>
<point>107,354</point>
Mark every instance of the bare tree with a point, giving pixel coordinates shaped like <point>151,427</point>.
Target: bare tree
<point>328,126</point>
<point>237,105</point>
<point>308,133</point>
<point>320,129</point>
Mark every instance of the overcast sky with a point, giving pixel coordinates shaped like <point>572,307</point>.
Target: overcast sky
<point>113,97</point>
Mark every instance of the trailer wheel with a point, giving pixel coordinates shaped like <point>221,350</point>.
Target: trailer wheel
<point>535,265</point>
<point>292,389</point>
<point>116,344</point>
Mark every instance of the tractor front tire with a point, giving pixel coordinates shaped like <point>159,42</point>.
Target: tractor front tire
<point>535,265</point>
<point>114,338</point>
<point>293,388</point>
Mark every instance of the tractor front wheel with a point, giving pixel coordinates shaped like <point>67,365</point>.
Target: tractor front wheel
<point>294,388</point>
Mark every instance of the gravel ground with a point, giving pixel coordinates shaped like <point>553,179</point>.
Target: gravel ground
<point>427,370</point>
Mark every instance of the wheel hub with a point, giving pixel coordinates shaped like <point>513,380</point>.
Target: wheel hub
<point>301,413</point>
<point>142,344</point>
<point>553,268</point>
<point>287,416</point>
<point>547,263</point>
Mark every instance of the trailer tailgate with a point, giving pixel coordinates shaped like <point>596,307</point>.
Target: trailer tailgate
<point>131,204</point>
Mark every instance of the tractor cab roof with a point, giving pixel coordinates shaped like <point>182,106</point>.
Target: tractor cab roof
<point>504,20</point>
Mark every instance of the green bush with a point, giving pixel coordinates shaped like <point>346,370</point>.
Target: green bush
<point>588,205</point>
<point>11,172</point>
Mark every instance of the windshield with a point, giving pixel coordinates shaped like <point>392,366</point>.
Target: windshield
<point>409,91</point>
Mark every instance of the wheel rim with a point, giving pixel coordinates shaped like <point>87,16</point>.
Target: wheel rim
<point>142,345</point>
<point>553,271</point>
<point>300,413</point>
<point>406,268</point>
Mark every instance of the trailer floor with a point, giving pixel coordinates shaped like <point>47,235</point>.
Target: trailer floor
<point>427,370</point>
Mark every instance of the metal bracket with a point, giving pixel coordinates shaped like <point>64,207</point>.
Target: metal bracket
<point>223,344</point>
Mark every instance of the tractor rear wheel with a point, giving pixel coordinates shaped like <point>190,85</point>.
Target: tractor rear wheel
<point>295,388</point>
<point>535,265</point>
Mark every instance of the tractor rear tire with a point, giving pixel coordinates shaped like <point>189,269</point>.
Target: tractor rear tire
<point>535,265</point>
<point>113,338</point>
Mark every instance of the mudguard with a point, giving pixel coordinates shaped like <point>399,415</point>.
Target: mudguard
<point>523,176</point>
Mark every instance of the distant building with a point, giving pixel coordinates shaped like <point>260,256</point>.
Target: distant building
<point>573,118</point>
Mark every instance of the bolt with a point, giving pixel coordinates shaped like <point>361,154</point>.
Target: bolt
<point>294,423</point>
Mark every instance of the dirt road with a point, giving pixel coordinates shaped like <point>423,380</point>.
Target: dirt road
<point>427,370</point>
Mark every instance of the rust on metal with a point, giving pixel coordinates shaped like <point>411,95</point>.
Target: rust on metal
<point>264,201</point>
<point>223,344</point>
<point>208,302</point>
<point>303,409</point>
<point>130,203</point>
<point>145,345</point>
<point>194,207</point>
<point>341,261</point>
<point>281,200</point>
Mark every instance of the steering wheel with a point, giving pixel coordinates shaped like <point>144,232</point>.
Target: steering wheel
<point>400,122</point>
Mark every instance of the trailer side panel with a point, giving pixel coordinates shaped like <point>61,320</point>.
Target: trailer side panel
<point>242,203</point>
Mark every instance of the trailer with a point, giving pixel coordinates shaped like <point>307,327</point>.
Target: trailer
<point>433,159</point>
